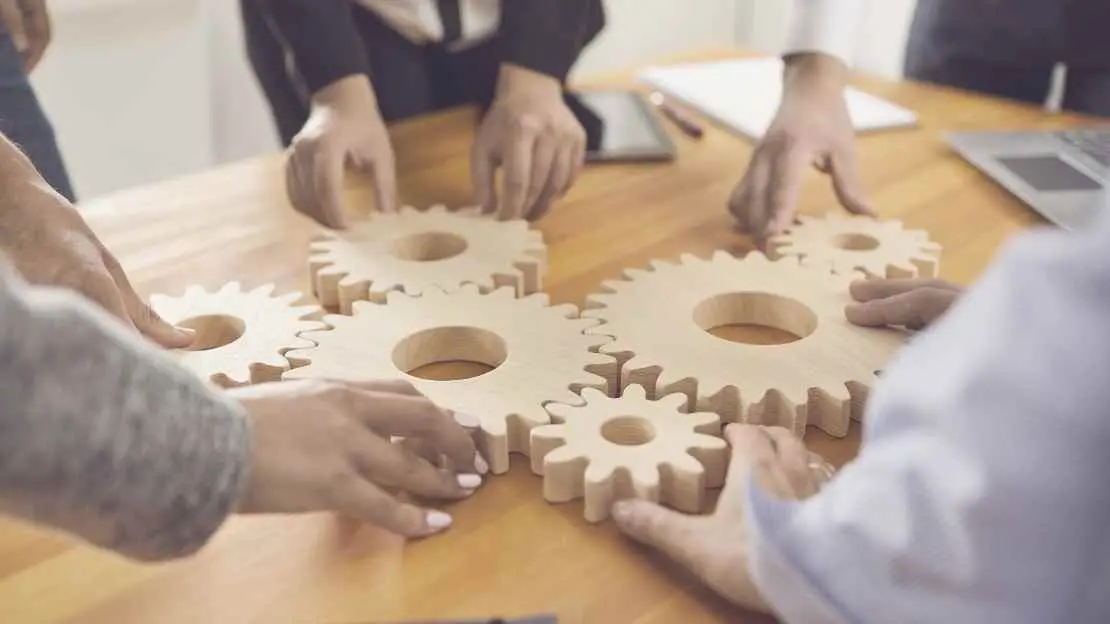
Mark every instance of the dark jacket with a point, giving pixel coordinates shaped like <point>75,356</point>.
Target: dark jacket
<point>542,35</point>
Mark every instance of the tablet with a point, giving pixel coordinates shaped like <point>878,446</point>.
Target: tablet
<point>620,126</point>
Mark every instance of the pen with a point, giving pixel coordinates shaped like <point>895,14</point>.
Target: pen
<point>683,122</point>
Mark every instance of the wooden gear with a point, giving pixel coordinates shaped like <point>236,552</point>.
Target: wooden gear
<point>414,250</point>
<point>629,447</point>
<point>539,353</point>
<point>858,243</point>
<point>241,336</point>
<point>660,320</point>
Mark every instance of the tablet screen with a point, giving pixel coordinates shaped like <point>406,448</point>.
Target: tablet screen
<point>619,126</point>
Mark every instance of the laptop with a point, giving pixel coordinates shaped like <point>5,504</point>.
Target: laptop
<point>1062,175</point>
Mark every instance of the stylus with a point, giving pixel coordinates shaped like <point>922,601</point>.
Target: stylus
<point>683,122</point>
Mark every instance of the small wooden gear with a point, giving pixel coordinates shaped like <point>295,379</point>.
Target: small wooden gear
<point>660,322</point>
<point>629,447</point>
<point>414,250</point>
<point>844,244</point>
<point>539,353</point>
<point>241,337</point>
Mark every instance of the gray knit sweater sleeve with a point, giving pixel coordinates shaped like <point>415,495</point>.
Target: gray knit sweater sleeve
<point>106,437</point>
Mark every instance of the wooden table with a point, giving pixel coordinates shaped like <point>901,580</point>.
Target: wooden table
<point>510,553</point>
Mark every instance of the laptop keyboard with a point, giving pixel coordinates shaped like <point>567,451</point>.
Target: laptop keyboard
<point>1093,143</point>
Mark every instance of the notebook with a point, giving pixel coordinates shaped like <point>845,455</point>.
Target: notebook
<point>742,95</point>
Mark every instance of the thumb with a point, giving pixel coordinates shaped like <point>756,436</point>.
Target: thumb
<point>847,185</point>
<point>680,537</point>
<point>12,17</point>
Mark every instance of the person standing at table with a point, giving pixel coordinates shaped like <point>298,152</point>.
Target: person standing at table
<point>335,72</point>
<point>1004,48</point>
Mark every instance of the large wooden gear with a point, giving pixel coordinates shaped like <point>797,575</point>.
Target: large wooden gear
<point>413,250</point>
<point>539,353</point>
<point>611,449</point>
<point>241,336</point>
<point>660,320</point>
<point>844,244</point>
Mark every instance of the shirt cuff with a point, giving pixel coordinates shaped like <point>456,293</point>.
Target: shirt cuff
<point>780,580</point>
<point>825,26</point>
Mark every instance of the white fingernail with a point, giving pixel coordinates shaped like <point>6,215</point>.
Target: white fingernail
<point>480,464</point>
<point>469,481</point>
<point>438,520</point>
<point>466,420</point>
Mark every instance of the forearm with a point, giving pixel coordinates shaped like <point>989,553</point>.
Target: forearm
<point>547,37</point>
<point>322,35</point>
<point>106,438</point>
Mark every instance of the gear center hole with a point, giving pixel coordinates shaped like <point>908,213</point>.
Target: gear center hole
<point>853,241</point>
<point>755,318</point>
<point>213,331</point>
<point>628,431</point>
<point>429,246</point>
<point>450,353</point>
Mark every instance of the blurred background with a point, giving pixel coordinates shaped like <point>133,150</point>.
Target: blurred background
<point>143,90</point>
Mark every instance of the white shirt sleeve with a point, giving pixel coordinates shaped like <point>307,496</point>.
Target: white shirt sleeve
<point>826,26</point>
<point>981,492</point>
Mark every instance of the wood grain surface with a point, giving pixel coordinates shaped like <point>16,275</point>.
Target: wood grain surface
<point>509,553</point>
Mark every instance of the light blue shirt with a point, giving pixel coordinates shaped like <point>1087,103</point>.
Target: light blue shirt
<point>982,491</point>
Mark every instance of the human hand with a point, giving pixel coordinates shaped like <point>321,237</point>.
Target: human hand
<point>536,140</point>
<point>715,547</point>
<point>325,445</point>
<point>49,243</point>
<point>343,128</point>
<point>912,303</point>
<point>28,24</point>
<point>811,127</point>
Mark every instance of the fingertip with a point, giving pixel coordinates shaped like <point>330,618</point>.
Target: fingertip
<point>437,521</point>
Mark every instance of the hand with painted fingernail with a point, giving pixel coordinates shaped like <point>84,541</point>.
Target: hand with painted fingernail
<point>715,547</point>
<point>320,445</point>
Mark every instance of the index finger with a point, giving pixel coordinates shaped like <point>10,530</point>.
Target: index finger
<point>749,445</point>
<point>406,415</point>
<point>385,184</point>
<point>516,170</point>
<point>788,167</point>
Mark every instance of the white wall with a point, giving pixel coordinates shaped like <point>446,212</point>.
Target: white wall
<point>142,90</point>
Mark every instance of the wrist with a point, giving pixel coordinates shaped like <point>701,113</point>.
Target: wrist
<point>352,93</point>
<point>814,71</point>
<point>514,78</point>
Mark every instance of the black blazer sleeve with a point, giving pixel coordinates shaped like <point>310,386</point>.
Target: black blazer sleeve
<point>322,35</point>
<point>547,36</point>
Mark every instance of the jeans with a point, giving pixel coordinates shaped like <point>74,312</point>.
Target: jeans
<point>23,121</point>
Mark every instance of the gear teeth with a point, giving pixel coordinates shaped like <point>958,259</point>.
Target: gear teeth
<point>632,274</point>
<point>721,255</point>
<point>661,265</point>
<point>628,447</point>
<point>690,259</point>
<point>269,326</point>
<point>830,410</point>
